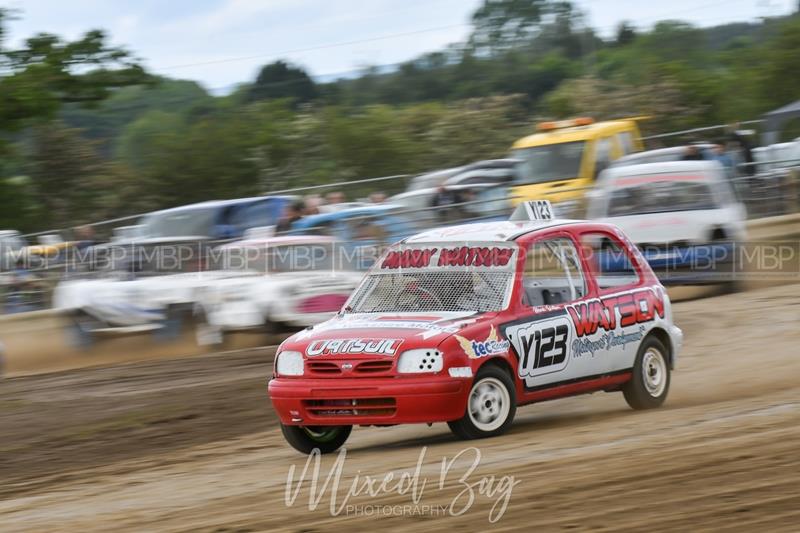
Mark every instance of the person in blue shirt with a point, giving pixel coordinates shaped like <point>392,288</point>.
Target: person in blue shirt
<point>719,154</point>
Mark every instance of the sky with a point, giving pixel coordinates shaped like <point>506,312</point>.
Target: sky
<point>221,43</point>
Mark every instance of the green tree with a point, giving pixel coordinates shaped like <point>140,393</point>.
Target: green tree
<point>499,25</point>
<point>281,80</point>
<point>605,99</point>
<point>136,141</point>
<point>70,183</point>
<point>47,72</point>
<point>17,205</point>
<point>626,33</point>
<point>108,120</point>
<point>780,82</point>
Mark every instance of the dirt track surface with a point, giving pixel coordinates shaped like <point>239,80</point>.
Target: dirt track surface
<point>191,445</point>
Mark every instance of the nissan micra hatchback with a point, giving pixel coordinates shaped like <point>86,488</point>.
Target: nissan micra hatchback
<point>464,324</point>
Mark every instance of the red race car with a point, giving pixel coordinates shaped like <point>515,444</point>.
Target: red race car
<point>463,324</point>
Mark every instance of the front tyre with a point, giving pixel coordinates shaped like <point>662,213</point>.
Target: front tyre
<point>491,406</point>
<point>305,439</point>
<point>649,385</point>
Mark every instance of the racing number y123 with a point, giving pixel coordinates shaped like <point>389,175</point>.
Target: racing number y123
<point>549,347</point>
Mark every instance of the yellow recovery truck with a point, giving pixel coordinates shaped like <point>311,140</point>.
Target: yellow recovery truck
<point>561,162</point>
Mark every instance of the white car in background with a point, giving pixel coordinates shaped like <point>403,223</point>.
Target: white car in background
<point>271,283</point>
<point>119,303</point>
<point>683,216</point>
<point>284,283</point>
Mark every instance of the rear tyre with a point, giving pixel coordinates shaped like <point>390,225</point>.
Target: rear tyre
<point>491,406</point>
<point>649,385</point>
<point>305,439</point>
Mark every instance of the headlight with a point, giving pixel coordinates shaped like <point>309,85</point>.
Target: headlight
<point>289,364</point>
<point>422,360</point>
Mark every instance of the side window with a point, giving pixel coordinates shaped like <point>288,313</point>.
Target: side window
<point>254,215</point>
<point>608,260</point>
<point>625,142</point>
<point>602,155</point>
<point>553,273</point>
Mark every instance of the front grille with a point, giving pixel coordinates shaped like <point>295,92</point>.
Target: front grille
<point>354,407</point>
<point>324,367</point>
<point>371,367</point>
<point>334,368</point>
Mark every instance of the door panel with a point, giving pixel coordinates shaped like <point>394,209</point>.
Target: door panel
<point>552,281</point>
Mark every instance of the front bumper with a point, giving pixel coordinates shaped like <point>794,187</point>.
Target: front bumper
<point>368,401</point>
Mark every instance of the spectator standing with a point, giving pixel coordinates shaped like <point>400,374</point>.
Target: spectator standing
<point>692,153</point>
<point>24,291</point>
<point>291,214</point>
<point>84,235</point>
<point>335,197</point>
<point>444,200</point>
<point>719,154</point>
<point>312,203</point>
<point>377,197</point>
<point>743,145</point>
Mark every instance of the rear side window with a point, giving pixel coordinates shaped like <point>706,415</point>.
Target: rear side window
<point>625,142</point>
<point>255,215</point>
<point>608,261</point>
<point>660,197</point>
<point>602,155</point>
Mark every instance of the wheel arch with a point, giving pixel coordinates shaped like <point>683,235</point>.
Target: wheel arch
<point>663,337</point>
<point>501,363</point>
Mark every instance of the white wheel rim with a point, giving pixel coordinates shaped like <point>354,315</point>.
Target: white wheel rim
<point>654,372</point>
<point>489,404</point>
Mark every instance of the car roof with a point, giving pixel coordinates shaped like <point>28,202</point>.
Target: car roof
<point>575,133</point>
<point>219,204</point>
<point>436,176</point>
<point>710,169</point>
<point>502,231</point>
<point>371,210</point>
<point>416,192</point>
<point>660,152</point>
<point>492,163</point>
<point>488,173</point>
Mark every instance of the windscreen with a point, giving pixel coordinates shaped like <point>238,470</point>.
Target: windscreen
<point>198,222</point>
<point>446,277</point>
<point>551,162</point>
